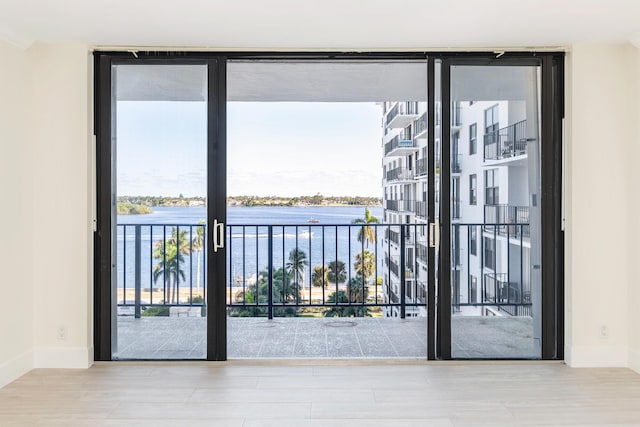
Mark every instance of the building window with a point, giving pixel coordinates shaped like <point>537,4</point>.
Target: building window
<point>490,253</point>
<point>491,120</point>
<point>473,189</point>
<point>473,289</point>
<point>473,132</point>
<point>473,240</point>
<point>455,205</point>
<point>491,188</point>
<point>456,246</point>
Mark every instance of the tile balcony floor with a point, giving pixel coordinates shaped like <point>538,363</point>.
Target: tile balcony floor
<point>309,338</point>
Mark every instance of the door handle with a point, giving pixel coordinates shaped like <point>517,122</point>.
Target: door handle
<point>434,235</point>
<point>218,235</point>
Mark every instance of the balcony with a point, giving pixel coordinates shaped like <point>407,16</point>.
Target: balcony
<point>456,116</point>
<point>400,205</point>
<point>400,145</point>
<point>422,166</point>
<point>456,163</point>
<point>506,144</point>
<point>420,127</point>
<point>422,253</point>
<point>455,209</point>
<point>261,288</point>
<point>507,220</point>
<point>400,174</point>
<point>402,114</point>
<point>421,209</point>
<point>510,296</point>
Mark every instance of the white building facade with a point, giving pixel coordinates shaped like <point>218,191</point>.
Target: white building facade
<point>489,205</point>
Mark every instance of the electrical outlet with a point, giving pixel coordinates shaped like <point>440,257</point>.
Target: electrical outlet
<point>62,333</point>
<point>604,332</point>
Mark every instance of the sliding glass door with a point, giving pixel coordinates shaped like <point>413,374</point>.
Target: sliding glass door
<point>160,156</point>
<point>495,297</point>
<point>459,246</point>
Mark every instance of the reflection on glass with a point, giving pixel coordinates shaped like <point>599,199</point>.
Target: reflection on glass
<point>495,236</point>
<point>160,142</point>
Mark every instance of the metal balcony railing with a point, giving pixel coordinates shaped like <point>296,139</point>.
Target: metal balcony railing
<point>422,166</point>
<point>512,296</point>
<point>456,119</point>
<point>278,270</point>
<point>400,174</point>
<point>402,108</point>
<point>507,220</point>
<point>272,270</point>
<point>507,292</point>
<point>420,125</point>
<point>456,163</point>
<point>403,140</point>
<point>507,142</point>
<point>421,209</point>
<point>400,205</point>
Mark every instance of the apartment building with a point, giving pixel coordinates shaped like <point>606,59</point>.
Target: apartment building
<point>489,207</point>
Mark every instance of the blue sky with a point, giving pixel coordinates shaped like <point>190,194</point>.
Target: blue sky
<point>284,148</point>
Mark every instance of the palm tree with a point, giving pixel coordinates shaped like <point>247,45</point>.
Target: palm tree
<point>365,264</point>
<point>320,276</point>
<point>296,265</point>
<point>170,252</point>
<point>337,272</point>
<point>198,245</point>
<point>355,294</point>
<point>356,291</point>
<point>367,233</point>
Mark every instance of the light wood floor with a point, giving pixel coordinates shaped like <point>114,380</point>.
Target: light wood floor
<point>299,394</point>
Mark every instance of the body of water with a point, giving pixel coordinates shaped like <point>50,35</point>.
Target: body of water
<point>322,232</point>
<point>254,215</point>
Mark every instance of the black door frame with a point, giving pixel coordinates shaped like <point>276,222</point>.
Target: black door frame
<point>439,294</point>
<point>552,233</point>
<point>216,195</point>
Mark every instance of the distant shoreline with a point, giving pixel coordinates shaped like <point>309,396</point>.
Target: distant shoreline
<point>250,201</point>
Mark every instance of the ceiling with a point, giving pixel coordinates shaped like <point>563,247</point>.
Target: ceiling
<point>320,24</point>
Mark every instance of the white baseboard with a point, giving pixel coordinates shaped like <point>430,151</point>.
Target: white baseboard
<point>634,360</point>
<point>71,358</point>
<point>596,356</point>
<point>15,368</point>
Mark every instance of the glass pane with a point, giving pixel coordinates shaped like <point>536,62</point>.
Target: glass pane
<point>327,247</point>
<point>495,231</point>
<point>160,142</point>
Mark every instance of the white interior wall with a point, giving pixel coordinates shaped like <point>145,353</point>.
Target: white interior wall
<point>634,238</point>
<point>46,251</point>
<point>16,215</point>
<point>601,128</point>
<point>62,255</point>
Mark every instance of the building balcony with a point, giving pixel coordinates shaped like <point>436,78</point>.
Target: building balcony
<point>422,253</point>
<point>456,163</point>
<point>421,209</point>
<point>456,116</point>
<point>422,167</point>
<point>400,174</point>
<point>507,220</point>
<point>455,209</point>
<point>402,114</point>
<point>420,127</point>
<point>506,145</point>
<point>400,145</point>
<point>256,295</point>
<point>400,205</point>
<point>511,296</point>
